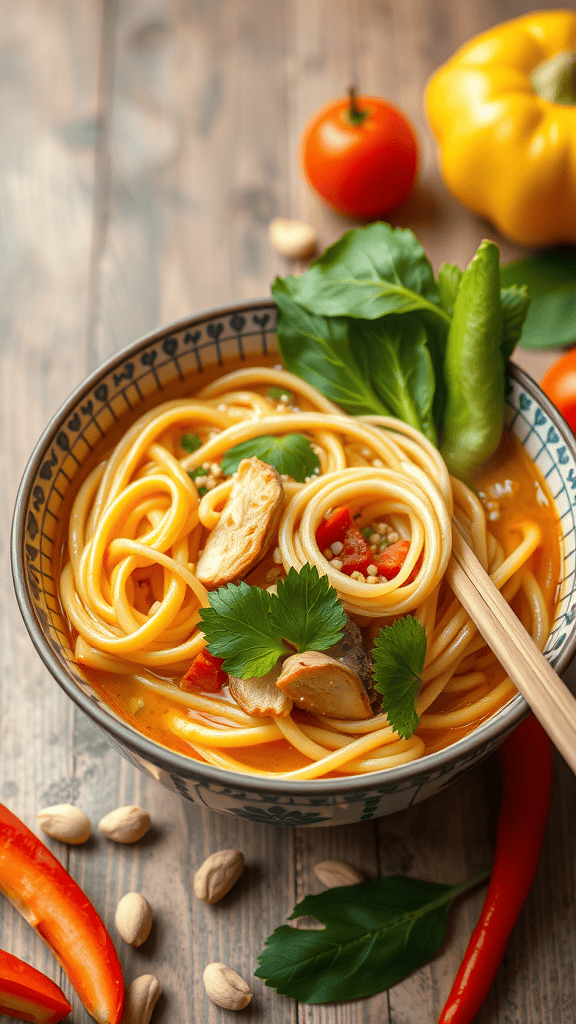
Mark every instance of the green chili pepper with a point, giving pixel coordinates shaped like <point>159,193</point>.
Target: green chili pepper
<point>474,368</point>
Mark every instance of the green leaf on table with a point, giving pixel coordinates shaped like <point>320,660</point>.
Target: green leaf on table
<point>308,612</point>
<point>291,454</point>
<point>375,934</point>
<point>449,277</point>
<point>515,302</point>
<point>238,628</point>
<point>399,652</point>
<point>550,278</point>
<point>319,351</point>
<point>369,272</point>
<point>397,351</point>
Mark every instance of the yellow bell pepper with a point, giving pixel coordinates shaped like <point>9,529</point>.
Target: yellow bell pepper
<point>503,110</point>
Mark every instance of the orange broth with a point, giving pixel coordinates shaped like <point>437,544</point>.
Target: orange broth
<point>512,491</point>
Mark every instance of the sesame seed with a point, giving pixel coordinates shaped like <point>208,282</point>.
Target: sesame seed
<point>200,481</point>
<point>211,483</point>
<point>373,579</point>
<point>337,547</point>
<point>328,553</point>
<point>382,527</point>
<point>221,407</point>
<point>216,469</point>
<point>372,570</point>
<point>336,563</point>
<point>393,536</point>
<point>374,538</point>
<point>374,548</point>
<point>377,463</point>
<point>276,556</point>
<point>356,575</point>
<point>280,407</point>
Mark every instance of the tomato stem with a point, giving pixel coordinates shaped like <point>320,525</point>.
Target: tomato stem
<point>354,115</point>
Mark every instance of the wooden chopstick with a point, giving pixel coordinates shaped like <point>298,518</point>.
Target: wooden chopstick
<point>550,699</point>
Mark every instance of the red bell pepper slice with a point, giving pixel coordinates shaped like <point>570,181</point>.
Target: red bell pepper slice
<point>54,904</point>
<point>205,673</point>
<point>27,994</point>
<point>340,526</point>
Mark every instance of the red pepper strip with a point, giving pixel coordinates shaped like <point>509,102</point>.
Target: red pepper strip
<point>205,673</point>
<point>340,526</point>
<point>27,994</point>
<point>52,902</point>
<point>526,769</point>
<point>390,560</point>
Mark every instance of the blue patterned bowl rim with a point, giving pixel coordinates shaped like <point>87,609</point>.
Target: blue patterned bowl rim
<point>484,736</point>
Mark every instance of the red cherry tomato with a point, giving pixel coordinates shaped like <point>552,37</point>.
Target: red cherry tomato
<point>360,154</point>
<point>559,383</point>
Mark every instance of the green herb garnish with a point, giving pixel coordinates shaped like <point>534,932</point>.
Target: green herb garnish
<point>194,474</point>
<point>190,443</point>
<point>279,394</point>
<point>375,934</point>
<point>292,455</point>
<point>249,627</point>
<point>399,652</point>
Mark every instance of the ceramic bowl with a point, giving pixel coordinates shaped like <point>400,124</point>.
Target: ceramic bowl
<point>180,353</point>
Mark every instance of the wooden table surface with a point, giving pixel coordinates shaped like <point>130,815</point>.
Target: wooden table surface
<point>145,146</point>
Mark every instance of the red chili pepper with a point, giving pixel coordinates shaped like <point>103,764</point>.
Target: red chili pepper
<point>54,904</point>
<point>340,526</point>
<point>526,769</point>
<point>205,673</point>
<point>27,994</point>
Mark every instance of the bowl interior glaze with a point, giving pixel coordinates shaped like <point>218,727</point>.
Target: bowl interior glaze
<point>178,355</point>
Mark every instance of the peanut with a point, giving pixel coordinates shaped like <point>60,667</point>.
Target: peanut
<point>226,988</point>
<point>140,999</point>
<point>65,822</point>
<point>134,918</point>
<point>335,872</point>
<point>216,876</point>
<point>293,239</point>
<point>125,824</point>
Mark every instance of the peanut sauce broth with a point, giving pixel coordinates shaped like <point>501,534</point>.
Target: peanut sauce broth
<point>512,491</point>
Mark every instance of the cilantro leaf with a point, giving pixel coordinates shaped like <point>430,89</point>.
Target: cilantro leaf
<point>190,443</point>
<point>292,454</point>
<point>307,611</point>
<point>194,474</point>
<point>399,652</point>
<point>376,933</point>
<point>279,393</point>
<point>238,628</point>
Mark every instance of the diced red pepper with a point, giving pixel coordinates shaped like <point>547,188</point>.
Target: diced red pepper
<point>390,560</point>
<point>27,994</point>
<point>48,898</point>
<point>205,673</point>
<point>340,526</point>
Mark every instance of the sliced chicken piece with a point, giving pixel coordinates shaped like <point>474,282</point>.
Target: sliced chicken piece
<point>246,527</point>
<point>260,696</point>
<point>320,684</point>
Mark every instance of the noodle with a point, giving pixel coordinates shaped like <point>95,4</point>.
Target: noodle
<point>139,522</point>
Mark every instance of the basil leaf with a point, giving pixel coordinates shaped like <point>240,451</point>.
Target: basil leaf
<point>550,279</point>
<point>449,277</point>
<point>376,933</point>
<point>319,351</point>
<point>369,272</point>
<point>292,454</point>
<point>515,304</point>
<point>396,350</point>
<point>308,612</point>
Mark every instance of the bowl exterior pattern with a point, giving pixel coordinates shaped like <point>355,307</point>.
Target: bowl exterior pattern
<point>143,371</point>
